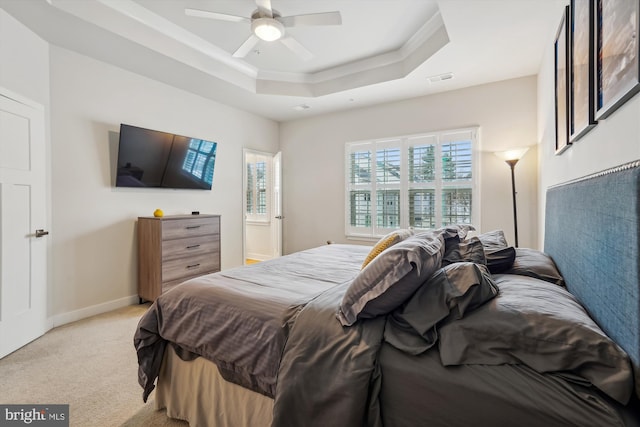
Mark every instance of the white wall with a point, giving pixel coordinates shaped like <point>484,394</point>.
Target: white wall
<point>94,243</point>
<point>612,142</point>
<point>313,157</point>
<point>24,60</point>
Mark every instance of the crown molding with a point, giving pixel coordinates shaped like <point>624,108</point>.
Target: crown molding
<point>132,21</point>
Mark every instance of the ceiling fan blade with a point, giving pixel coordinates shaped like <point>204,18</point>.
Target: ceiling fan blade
<point>325,18</point>
<point>246,47</point>
<point>297,48</point>
<point>213,15</point>
<point>264,6</point>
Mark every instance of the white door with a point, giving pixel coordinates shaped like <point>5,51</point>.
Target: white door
<point>262,206</point>
<point>23,255</point>
<point>277,205</point>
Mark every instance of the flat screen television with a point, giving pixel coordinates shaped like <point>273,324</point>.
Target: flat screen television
<point>150,158</point>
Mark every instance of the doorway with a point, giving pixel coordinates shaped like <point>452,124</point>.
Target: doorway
<point>262,201</point>
<point>23,216</point>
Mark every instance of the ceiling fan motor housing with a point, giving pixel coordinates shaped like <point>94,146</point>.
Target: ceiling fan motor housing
<point>267,29</point>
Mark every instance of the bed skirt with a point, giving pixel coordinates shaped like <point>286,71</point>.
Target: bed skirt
<point>195,392</point>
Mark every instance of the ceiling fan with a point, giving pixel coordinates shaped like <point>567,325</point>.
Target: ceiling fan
<point>268,25</point>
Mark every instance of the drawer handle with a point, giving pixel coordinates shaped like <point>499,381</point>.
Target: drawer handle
<point>193,265</point>
<point>193,246</point>
<point>191,227</point>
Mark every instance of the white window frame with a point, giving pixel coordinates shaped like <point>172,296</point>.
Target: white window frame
<point>404,142</point>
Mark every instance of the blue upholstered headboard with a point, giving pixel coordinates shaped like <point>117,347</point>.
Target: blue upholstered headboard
<point>592,233</point>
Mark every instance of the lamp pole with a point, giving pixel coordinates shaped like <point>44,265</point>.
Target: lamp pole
<point>512,164</point>
<point>511,157</point>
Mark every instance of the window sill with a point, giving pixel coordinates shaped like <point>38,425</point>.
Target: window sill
<point>368,239</point>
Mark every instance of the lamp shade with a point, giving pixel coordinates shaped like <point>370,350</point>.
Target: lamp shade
<point>267,29</point>
<point>513,154</point>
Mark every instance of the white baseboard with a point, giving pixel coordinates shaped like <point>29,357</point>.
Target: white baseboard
<point>83,313</point>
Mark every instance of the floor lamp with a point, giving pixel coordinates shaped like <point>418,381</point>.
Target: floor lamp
<point>512,157</point>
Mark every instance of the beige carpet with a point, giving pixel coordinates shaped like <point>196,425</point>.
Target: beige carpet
<point>90,365</point>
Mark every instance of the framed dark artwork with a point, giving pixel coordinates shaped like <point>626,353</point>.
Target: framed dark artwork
<point>617,54</point>
<point>561,84</point>
<point>581,74</point>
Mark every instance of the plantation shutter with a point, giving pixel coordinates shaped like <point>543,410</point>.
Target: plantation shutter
<point>258,199</point>
<point>457,178</point>
<point>420,181</point>
<point>388,180</point>
<point>359,187</point>
<point>422,154</point>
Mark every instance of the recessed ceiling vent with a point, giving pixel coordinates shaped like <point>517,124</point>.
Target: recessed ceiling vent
<point>301,107</point>
<point>440,77</point>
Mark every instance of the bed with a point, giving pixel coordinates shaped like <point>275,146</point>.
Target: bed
<point>448,327</point>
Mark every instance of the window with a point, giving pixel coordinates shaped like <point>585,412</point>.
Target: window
<point>421,181</point>
<point>258,199</point>
<point>200,159</point>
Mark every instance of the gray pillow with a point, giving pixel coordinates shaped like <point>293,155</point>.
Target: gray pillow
<point>453,231</point>
<point>533,263</point>
<point>451,292</point>
<point>470,250</point>
<point>500,260</point>
<point>493,240</point>
<point>395,274</point>
<point>541,325</point>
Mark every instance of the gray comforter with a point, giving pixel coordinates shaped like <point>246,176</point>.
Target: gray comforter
<point>241,319</point>
<point>329,380</point>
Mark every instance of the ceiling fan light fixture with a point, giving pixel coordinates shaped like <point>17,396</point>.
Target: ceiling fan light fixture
<point>267,29</point>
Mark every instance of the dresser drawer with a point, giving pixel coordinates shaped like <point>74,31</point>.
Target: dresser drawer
<point>188,247</point>
<point>188,227</point>
<point>190,266</point>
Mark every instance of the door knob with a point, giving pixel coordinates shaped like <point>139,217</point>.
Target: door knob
<point>41,233</point>
<point>279,217</point>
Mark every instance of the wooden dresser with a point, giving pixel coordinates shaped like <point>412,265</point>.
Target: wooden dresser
<point>172,249</point>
